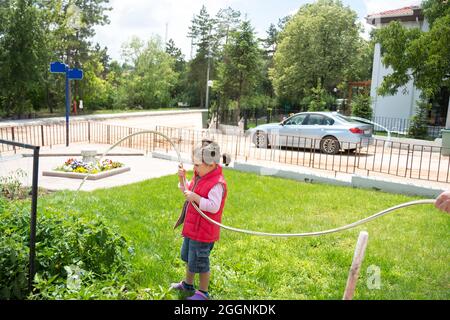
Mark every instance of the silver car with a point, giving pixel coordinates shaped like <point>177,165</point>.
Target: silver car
<point>328,131</point>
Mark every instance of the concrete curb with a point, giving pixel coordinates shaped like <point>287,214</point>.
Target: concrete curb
<point>289,174</point>
<point>355,182</point>
<point>165,156</point>
<point>395,187</point>
<point>96,176</point>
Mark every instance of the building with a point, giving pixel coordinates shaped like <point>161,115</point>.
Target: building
<point>395,111</point>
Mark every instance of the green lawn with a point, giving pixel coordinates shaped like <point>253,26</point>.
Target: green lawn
<point>411,247</point>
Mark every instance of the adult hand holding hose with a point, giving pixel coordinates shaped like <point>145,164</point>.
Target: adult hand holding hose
<point>443,201</point>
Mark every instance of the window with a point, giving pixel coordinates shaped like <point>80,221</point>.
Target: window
<point>318,119</point>
<point>296,120</point>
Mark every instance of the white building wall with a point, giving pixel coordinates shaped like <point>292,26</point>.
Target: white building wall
<point>403,104</point>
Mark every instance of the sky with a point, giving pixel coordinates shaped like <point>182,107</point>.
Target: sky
<point>144,18</point>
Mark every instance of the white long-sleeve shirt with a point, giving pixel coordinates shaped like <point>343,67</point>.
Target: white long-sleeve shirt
<point>214,200</point>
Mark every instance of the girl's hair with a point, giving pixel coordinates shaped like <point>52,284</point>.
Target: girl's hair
<point>208,152</point>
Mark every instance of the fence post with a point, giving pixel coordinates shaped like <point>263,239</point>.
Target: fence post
<point>358,258</point>
<point>42,135</point>
<point>129,140</point>
<point>89,132</point>
<point>12,138</point>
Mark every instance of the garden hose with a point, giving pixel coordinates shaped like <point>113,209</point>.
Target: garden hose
<point>258,233</point>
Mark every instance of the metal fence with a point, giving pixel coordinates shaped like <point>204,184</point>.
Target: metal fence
<point>401,126</point>
<point>412,161</point>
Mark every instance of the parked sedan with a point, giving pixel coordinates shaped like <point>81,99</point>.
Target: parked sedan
<point>328,131</point>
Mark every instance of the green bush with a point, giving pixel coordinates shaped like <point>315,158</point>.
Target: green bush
<point>318,99</point>
<point>361,106</point>
<point>11,186</point>
<point>67,248</point>
<point>419,122</point>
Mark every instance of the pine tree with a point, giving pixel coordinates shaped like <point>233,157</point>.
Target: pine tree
<point>240,72</point>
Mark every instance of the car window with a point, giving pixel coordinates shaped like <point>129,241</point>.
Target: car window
<point>318,119</point>
<point>327,121</point>
<point>296,120</point>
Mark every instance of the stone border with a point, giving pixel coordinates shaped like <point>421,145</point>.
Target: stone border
<point>75,175</point>
<point>355,181</point>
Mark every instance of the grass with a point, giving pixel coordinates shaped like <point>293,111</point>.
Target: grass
<point>410,247</point>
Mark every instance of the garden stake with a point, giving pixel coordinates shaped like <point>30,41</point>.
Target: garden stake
<point>358,258</point>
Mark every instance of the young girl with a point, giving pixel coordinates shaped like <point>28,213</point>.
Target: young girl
<point>208,190</point>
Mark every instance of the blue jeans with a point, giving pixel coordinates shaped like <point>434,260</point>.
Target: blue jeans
<point>196,255</point>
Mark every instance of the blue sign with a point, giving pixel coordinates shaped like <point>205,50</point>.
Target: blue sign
<point>75,74</point>
<point>57,67</point>
<point>71,74</point>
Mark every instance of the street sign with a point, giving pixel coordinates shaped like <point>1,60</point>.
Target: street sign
<point>75,74</point>
<point>210,83</point>
<point>71,74</point>
<point>57,67</point>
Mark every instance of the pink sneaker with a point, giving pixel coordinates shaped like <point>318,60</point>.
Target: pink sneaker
<point>198,295</point>
<point>181,287</point>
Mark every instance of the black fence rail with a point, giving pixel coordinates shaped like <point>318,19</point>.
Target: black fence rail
<point>45,135</point>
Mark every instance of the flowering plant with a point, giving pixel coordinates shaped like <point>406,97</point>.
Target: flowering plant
<point>78,166</point>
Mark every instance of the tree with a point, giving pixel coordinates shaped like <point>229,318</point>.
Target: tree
<point>320,42</point>
<point>152,76</point>
<point>21,57</point>
<point>177,91</point>
<point>419,123</point>
<point>417,55</point>
<point>239,73</point>
<point>361,106</point>
<point>201,33</point>
<point>227,21</point>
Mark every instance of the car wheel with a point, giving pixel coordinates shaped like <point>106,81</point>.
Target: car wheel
<point>329,145</point>
<point>260,139</point>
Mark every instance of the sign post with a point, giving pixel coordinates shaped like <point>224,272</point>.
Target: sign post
<point>71,74</point>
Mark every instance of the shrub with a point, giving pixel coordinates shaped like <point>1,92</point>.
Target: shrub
<point>66,245</point>
<point>11,185</point>
<point>419,122</point>
<point>318,99</point>
<point>361,106</point>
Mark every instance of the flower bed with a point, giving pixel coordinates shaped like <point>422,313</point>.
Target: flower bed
<point>77,169</point>
<point>77,166</point>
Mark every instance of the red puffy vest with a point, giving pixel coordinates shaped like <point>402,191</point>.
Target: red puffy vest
<point>195,226</point>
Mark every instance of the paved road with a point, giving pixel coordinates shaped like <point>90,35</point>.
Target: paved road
<point>146,120</point>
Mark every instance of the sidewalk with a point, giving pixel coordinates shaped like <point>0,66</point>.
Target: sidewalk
<point>143,167</point>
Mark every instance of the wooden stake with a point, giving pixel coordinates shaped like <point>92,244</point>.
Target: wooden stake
<point>358,258</point>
